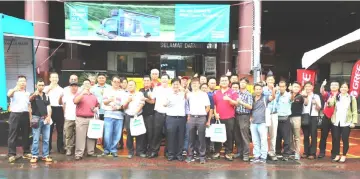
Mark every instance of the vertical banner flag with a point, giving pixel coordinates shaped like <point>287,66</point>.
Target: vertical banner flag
<point>304,76</point>
<point>355,79</point>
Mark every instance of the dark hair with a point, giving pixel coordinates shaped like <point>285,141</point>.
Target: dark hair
<point>40,80</point>
<point>244,79</point>
<point>203,85</point>
<point>22,76</point>
<point>146,76</point>
<point>235,83</point>
<point>102,74</point>
<point>258,84</point>
<point>122,79</point>
<point>116,77</point>
<point>282,81</point>
<point>345,83</point>
<point>234,75</point>
<point>87,80</point>
<point>308,83</point>
<point>296,82</point>
<point>165,74</point>
<point>175,80</point>
<point>195,79</point>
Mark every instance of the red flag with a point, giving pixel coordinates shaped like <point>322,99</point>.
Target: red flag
<point>355,79</point>
<point>304,76</point>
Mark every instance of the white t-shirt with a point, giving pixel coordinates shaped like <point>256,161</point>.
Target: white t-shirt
<point>176,103</point>
<point>198,102</point>
<point>160,95</point>
<point>70,107</point>
<point>118,97</point>
<point>306,109</point>
<point>20,101</point>
<point>54,95</point>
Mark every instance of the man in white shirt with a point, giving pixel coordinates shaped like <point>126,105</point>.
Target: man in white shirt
<point>133,108</point>
<point>160,114</point>
<point>175,116</point>
<point>54,91</point>
<point>311,110</point>
<point>69,108</point>
<point>199,106</point>
<point>19,119</point>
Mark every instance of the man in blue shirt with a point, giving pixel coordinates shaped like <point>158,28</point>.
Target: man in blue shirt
<point>283,107</point>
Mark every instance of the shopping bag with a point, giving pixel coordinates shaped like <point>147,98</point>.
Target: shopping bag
<point>218,132</point>
<point>208,131</point>
<point>137,126</point>
<point>96,129</point>
<point>267,115</point>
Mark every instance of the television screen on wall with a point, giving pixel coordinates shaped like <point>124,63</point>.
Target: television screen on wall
<point>138,22</point>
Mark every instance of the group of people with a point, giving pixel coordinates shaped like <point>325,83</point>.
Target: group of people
<point>180,111</point>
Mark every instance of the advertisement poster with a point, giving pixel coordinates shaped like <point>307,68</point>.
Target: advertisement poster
<point>18,61</point>
<point>355,80</point>
<point>304,76</point>
<point>137,22</point>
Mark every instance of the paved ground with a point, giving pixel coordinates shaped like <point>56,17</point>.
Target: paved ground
<point>107,167</point>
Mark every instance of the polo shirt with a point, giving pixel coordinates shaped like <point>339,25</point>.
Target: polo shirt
<point>19,102</point>
<point>160,95</point>
<point>283,105</point>
<point>98,91</point>
<point>148,108</point>
<point>297,106</point>
<point>258,110</point>
<point>224,108</point>
<point>138,99</point>
<point>39,105</point>
<point>198,101</point>
<point>54,95</point>
<point>272,105</point>
<point>85,106</point>
<point>119,98</point>
<point>176,103</point>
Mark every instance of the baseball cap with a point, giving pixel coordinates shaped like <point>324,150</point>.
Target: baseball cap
<point>72,83</point>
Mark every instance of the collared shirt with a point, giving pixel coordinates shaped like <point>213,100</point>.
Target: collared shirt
<point>342,107</point>
<point>247,98</point>
<point>297,106</point>
<point>314,111</point>
<point>148,108</point>
<point>133,106</point>
<point>70,106</point>
<point>272,105</point>
<point>39,105</point>
<point>258,110</point>
<point>198,101</point>
<point>98,91</point>
<point>85,107</point>
<point>176,103</point>
<point>54,95</point>
<point>283,104</point>
<point>159,95</point>
<point>118,97</point>
<point>224,108</point>
<point>19,102</point>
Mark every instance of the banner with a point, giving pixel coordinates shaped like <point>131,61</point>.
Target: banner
<point>138,22</point>
<point>355,79</point>
<point>304,76</point>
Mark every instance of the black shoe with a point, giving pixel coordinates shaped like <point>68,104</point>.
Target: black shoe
<point>170,158</point>
<point>61,151</point>
<point>78,158</point>
<point>180,158</point>
<point>321,156</point>
<point>142,155</point>
<point>153,155</point>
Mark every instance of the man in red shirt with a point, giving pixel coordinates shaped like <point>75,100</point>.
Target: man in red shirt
<point>86,107</point>
<point>225,102</point>
<point>328,112</point>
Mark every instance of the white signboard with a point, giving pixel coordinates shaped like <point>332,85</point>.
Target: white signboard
<point>210,64</point>
<point>171,73</point>
<point>18,61</point>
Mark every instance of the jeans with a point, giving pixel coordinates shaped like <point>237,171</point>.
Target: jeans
<point>186,138</point>
<point>112,134</point>
<point>44,130</point>
<point>259,139</point>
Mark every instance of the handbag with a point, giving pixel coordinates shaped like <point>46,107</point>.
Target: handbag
<point>34,122</point>
<point>305,118</point>
<point>218,132</point>
<point>95,129</point>
<point>267,115</point>
<point>137,126</point>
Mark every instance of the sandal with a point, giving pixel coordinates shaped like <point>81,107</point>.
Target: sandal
<point>33,159</point>
<point>47,159</point>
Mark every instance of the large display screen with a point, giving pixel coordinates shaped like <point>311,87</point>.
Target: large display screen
<point>135,22</point>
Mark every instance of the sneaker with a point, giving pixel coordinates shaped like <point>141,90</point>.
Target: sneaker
<point>47,159</point>
<point>202,161</point>
<point>216,156</point>
<point>114,154</point>
<point>237,155</point>
<point>142,155</point>
<point>229,157</point>
<point>12,159</point>
<point>285,159</point>
<point>262,161</point>
<point>27,156</point>
<point>106,154</point>
<point>274,158</point>
<point>297,157</point>
<point>184,153</point>
<point>279,156</point>
<point>304,156</point>
<point>68,152</point>
<point>33,159</point>
<point>246,158</point>
<point>91,155</point>
<point>189,159</point>
<point>77,158</point>
<point>255,160</point>
<point>130,156</point>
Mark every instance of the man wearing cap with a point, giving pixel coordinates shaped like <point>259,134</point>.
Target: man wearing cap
<point>67,100</point>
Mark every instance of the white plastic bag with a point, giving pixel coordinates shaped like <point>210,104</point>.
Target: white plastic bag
<point>218,132</point>
<point>96,129</point>
<point>208,131</point>
<point>267,115</point>
<point>137,126</point>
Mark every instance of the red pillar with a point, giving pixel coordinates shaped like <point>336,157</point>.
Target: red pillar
<point>246,19</point>
<point>38,13</point>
